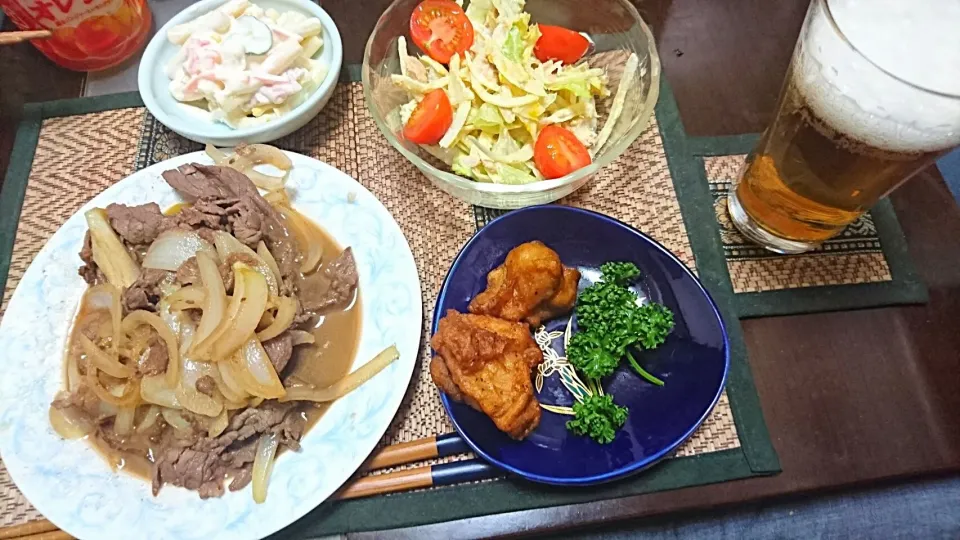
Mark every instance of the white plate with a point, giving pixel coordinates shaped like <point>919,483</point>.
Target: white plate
<point>73,486</point>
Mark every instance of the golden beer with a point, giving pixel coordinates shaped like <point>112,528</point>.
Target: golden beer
<point>846,134</point>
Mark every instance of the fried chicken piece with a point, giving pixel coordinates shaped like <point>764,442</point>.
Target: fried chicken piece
<point>560,303</point>
<point>486,362</point>
<point>531,285</point>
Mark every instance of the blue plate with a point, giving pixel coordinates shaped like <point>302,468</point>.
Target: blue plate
<point>693,362</point>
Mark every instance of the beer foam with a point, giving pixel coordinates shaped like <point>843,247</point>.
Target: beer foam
<point>917,41</point>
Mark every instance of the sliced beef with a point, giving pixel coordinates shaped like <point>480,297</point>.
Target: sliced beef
<point>241,454</point>
<point>189,273</point>
<point>279,349</point>
<point>154,360</point>
<point>137,225</point>
<point>206,385</point>
<point>253,421</point>
<point>191,468</point>
<point>209,213</point>
<point>82,401</point>
<point>204,464</point>
<point>242,478</point>
<point>196,219</point>
<point>207,234</point>
<point>197,182</point>
<point>291,430</point>
<point>332,288</point>
<point>145,291</point>
<point>193,183</point>
<point>247,223</point>
<point>89,271</point>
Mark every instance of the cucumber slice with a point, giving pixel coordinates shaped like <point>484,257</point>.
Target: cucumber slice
<point>257,37</point>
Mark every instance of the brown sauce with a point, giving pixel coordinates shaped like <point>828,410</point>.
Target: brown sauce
<point>329,359</point>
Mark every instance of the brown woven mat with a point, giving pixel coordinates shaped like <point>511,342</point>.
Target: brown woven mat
<point>855,256</point>
<point>78,156</point>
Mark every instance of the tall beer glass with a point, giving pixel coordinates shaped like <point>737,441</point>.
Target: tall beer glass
<point>871,97</point>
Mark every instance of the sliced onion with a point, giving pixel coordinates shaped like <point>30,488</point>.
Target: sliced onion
<point>189,297</point>
<point>187,394</point>
<point>215,154</point>
<point>277,198</point>
<point>266,319</point>
<point>218,424</point>
<point>102,361</point>
<point>231,387</point>
<point>268,258</point>
<point>247,156</point>
<point>154,389</point>
<point>227,244</point>
<point>263,465</point>
<point>213,307</point>
<point>347,384</point>
<point>176,420</point>
<point>129,395</point>
<point>299,337</point>
<point>251,368</point>
<point>123,423</point>
<point>109,253</point>
<point>138,317</point>
<point>69,426</point>
<point>311,251</point>
<point>74,378</point>
<point>107,297</point>
<point>106,410</point>
<point>263,154</point>
<point>228,394</point>
<point>282,320</point>
<point>173,248</point>
<point>150,418</point>
<point>252,302</point>
<point>116,313</point>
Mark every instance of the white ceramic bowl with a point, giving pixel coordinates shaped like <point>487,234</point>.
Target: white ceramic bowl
<point>154,84</point>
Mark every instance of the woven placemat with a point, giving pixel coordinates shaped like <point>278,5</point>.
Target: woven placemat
<point>80,147</point>
<point>867,265</point>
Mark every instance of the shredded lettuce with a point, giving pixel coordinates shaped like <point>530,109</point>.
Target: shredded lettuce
<point>513,46</point>
<point>478,11</point>
<point>513,175</point>
<point>487,117</point>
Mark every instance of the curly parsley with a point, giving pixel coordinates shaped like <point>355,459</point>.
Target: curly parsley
<point>611,326</point>
<point>598,417</point>
<point>611,323</point>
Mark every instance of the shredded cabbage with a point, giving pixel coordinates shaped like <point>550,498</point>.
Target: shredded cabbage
<point>503,95</point>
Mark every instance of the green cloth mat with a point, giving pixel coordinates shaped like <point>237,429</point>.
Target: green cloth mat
<point>905,287</point>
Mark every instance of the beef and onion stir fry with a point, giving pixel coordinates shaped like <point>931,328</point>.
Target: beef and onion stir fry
<point>210,336</point>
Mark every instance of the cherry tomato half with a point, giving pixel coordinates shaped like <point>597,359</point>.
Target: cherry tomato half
<point>558,152</point>
<point>558,43</point>
<point>441,28</point>
<point>430,120</point>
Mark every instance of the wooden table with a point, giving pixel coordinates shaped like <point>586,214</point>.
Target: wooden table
<point>852,398</point>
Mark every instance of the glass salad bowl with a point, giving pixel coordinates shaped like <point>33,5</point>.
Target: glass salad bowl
<point>616,30</point>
